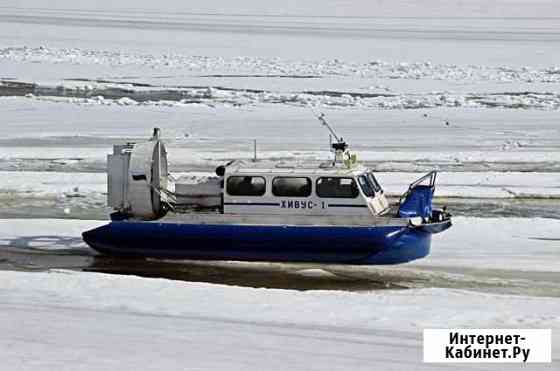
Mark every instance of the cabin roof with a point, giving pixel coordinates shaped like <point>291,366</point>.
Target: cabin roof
<point>250,169</point>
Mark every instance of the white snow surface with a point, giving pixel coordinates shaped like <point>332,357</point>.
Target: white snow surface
<point>519,244</point>
<point>64,320</point>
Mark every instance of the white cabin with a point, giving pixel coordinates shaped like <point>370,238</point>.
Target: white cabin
<point>302,191</point>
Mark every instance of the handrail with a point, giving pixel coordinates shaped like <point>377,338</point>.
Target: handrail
<point>431,175</point>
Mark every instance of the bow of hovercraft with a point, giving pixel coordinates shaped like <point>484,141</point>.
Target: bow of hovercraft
<point>414,241</point>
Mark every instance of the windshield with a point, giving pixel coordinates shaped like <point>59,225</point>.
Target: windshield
<point>366,187</point>
<point>374,183</point>
<point>369,185</point>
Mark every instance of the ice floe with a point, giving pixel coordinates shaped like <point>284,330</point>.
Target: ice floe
<point>279,67</point>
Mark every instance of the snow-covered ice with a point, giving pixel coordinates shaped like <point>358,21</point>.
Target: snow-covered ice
<point>81,136</point>
<point>68,320</point>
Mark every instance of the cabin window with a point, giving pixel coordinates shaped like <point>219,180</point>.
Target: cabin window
<point>291,187</point>
<point>373,181</point>
<point>335,187</point>
<point>246,186</point>
<point>366,186</point>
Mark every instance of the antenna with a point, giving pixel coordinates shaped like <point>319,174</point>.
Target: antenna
<point>340,145</point>
<point>323,121</point>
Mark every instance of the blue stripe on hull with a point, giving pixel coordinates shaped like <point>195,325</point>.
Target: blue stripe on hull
<point>333,244</point>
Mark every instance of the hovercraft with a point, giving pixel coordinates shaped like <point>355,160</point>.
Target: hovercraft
<point>336,212</point>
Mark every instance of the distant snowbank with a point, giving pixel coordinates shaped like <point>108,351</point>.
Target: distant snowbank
<point>277,67</point>
<point>248,81</point>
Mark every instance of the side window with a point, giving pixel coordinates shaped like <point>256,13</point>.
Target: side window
<point>334,187</point>
<point>246,186</point>
<point>291,187</point>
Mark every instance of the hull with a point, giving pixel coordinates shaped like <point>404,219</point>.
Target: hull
<point>283,243</point>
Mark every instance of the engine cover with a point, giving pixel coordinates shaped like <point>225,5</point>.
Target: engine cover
<point>137,179</point>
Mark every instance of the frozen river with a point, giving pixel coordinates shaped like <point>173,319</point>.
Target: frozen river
<point>469,88</point>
